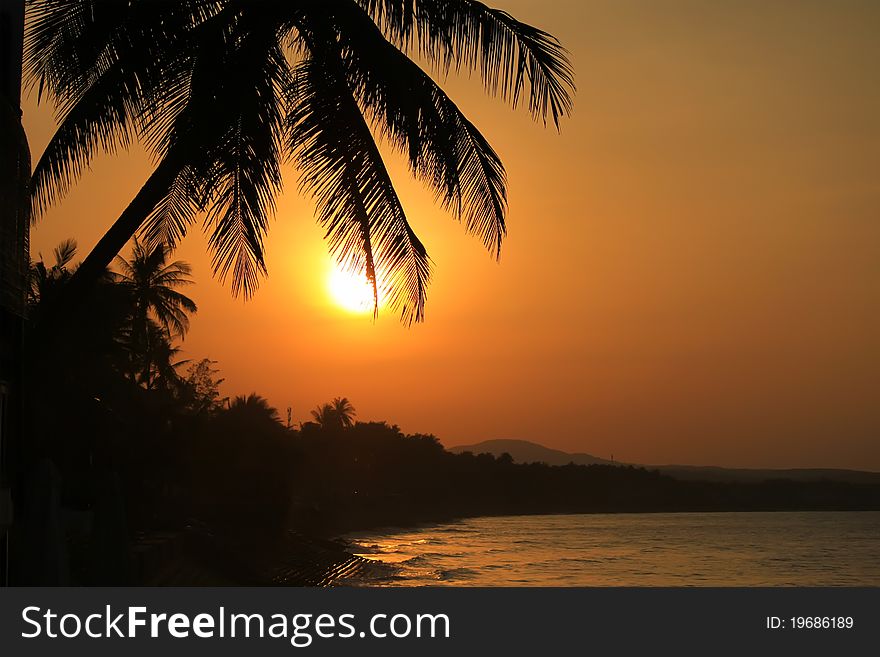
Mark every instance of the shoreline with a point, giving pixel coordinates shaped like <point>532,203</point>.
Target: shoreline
<point>391,528</point>
<point>335,533</point>
<point>197,556</point>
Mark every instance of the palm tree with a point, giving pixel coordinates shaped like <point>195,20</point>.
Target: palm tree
<point>344,411</point>
<point>221,91</point>
<point>46,292</point>
<point>163,372</point>
<point>256,408</point>
<point>336,414</point>
<point>151,356</point>
<point>324,416</point>
<point>44,280</point>
<point>150,281</point>
<point>140,302</point>
<point>159,312</point>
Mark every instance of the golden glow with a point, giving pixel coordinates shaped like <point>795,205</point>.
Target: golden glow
<point>350,291</point>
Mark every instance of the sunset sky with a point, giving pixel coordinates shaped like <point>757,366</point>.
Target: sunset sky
<point>692,273</point>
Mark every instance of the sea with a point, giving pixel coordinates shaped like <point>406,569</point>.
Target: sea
<point>633,549</point>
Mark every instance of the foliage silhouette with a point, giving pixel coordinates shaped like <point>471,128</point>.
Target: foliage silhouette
<point>222,91</point>
<point>337,414</point>
<point>199,391</point>
<point>375,475</point>
<point>150,280</point>
<point>44,281</point>
<point>240,464</point>
<point>254,409</point>
<point>159,312</point>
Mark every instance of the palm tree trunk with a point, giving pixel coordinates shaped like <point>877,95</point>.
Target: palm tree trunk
<point>91,269</point>
<point>15,171</point>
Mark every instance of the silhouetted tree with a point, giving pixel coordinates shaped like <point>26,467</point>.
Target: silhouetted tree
<point>54,345</point>
<point>242,466</point>
<point>324,416</point>
<point>163,366</point>
<point>344,411</point>
<point>45,281</point>
<point>255,408</point>
<point>158,311</point>
<point>336,414</point>
<point>221,92</point>
<point>200,388</point>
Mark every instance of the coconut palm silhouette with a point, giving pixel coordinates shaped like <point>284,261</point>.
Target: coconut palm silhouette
<point>344,411</point>
<point>255,409</point>
<point>159,312</point>
<point>150,280</point>
<point>335,414</point>
<point>223,91</point>
<point>44,280</point>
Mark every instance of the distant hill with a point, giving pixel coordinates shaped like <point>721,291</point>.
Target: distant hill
<point>524,451</point>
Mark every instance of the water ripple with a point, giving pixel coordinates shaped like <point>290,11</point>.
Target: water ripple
<point>711,549</point>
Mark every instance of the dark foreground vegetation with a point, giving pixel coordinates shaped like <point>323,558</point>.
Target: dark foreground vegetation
<point>125,440</point>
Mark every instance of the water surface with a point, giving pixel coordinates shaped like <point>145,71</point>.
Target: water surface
<point>658,549</point>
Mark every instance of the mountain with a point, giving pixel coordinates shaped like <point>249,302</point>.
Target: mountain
<point>524,451</point>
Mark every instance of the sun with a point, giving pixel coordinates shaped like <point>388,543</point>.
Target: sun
<point>351,291</point>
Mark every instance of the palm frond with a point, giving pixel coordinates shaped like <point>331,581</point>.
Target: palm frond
<point>65,40</point>
<point>64,253</point>
<point>445,150</point>
<point>105,63</point>
<point>101,121</point>
<point>231,131</point>
<point>169,221</point>
<point>509,55</point>
<point>173,274</point>
<point>340,165</point>
<point>110,67</point>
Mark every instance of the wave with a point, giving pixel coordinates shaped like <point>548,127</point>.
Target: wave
<point>456,573</point>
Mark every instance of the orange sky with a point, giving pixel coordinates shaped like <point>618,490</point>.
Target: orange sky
<point>692,273</point>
